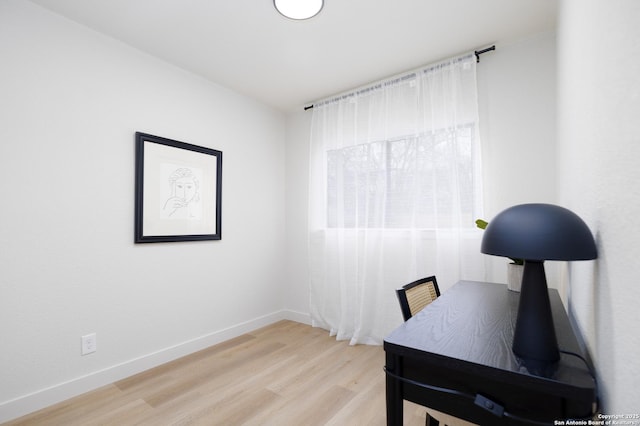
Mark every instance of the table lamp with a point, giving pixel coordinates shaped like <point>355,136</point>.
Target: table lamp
<point>535,233</point>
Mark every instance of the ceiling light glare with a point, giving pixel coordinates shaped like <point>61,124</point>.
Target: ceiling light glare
<point>298,9</point>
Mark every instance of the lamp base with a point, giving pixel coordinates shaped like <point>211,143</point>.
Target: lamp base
<point>534,339</point>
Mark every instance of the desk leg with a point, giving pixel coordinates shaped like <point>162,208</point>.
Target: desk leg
<point>394,391</point>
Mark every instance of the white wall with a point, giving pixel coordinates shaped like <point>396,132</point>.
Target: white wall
<point>517,95</point>
<point>298,131</point>
<point>599,148</point>
<point>517,108</point>
<point>70,103</point>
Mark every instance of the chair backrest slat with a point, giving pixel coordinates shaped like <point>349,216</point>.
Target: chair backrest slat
<point>420,296</point>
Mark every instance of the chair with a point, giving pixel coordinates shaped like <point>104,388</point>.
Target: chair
<point>415,296</point>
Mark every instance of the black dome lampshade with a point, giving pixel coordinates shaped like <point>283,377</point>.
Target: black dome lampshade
<point>535,233</point>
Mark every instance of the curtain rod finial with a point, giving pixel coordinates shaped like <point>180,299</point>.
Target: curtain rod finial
<point>480,52</point>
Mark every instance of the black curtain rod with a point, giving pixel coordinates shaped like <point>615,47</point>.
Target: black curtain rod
<point>477,53</point>
<point>480,52</point>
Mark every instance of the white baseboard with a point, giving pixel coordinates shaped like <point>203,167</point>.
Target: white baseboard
<point>43,398</point>
<point>301,317</point>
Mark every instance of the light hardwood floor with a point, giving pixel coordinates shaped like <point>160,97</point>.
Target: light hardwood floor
<point>284,374</point>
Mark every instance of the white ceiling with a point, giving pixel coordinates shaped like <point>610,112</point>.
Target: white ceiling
<point>248,46</point>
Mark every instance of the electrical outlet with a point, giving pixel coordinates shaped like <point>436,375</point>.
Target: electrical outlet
<point>89,344</point>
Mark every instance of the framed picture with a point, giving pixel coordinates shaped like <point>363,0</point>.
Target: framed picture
<point>178,191</point>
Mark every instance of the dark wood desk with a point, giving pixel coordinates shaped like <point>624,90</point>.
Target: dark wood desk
<point>455,356</point>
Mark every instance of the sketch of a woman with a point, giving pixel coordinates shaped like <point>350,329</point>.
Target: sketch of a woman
<point>184,194</point>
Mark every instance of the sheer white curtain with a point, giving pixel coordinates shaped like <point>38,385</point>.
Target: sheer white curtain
<point>395,188</point>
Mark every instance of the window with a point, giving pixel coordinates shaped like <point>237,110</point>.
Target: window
<point>410,182</point>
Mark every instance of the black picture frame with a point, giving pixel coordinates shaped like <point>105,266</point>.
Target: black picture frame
<point>178,191</point>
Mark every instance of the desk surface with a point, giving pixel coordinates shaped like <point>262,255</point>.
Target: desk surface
<point>463,341</point>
